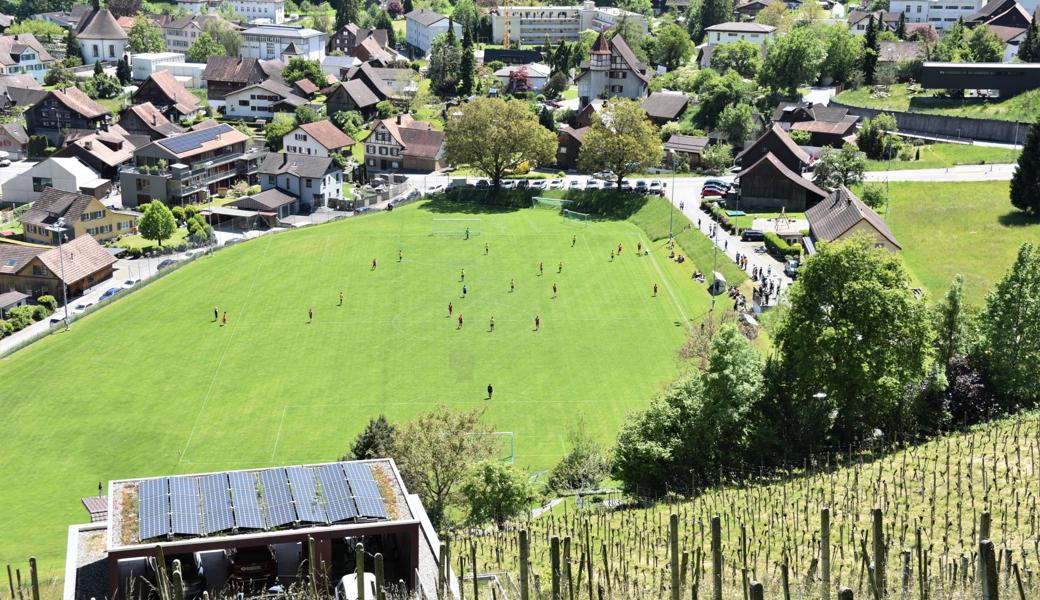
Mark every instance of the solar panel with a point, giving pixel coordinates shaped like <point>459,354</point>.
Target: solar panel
<point>309,506</point>
<point>154,508</point>
<point>246,501</point>
<point>185,508</point>
<point>339,503</point>
<point>192,140</point>
<point>216,503</point>
<point>366,492</point>
<point>277,497</point>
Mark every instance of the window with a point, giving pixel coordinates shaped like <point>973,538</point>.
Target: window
<point>270,180</point>
<point>40,271</point>
<point>308,182</point>
<point>243,102</point>
<point>371,162</point>
<point>111,51</point>
<point>382,150</point>
<point>370,149</point>
<point>94,50</point>
<point>41,183</point>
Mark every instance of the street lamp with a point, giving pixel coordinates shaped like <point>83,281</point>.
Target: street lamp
<point>58,228</point>
<point>671,154</point>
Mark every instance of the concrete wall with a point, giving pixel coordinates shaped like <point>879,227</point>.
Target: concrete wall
<point>982,130</point>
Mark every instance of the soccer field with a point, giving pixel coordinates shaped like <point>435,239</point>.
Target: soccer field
<point>153,385</point>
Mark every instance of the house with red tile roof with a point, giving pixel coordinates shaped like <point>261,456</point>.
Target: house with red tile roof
<point>320,138</point>
<point>401,143</point>
<point>168,95</point>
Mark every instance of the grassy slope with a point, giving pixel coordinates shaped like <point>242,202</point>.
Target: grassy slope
<point>937,156</point>
<point>152,385</point>
<point>1024,107</point>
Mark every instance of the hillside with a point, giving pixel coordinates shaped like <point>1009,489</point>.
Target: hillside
<point>1023,108</point>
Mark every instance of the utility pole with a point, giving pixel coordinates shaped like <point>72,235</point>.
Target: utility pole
<point>58,228</point>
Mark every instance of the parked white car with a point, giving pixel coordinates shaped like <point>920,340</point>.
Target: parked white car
<point>346,589</point>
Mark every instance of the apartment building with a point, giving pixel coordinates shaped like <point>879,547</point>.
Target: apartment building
<point>190,167</point>
<point>725,33</point>
<point>261,11</point>
<point>422,25</point>
<point>532,24</point>
<point>280,42</point>
<point>83,215</point>
<point>942,14</point>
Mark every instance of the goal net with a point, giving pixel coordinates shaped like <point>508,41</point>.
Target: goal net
<point>573,216</point>
<point>553,203</point>
<point>455,227</point>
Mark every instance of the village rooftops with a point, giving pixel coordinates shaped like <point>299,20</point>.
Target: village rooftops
<point>78,101</point>
<point>425,16</point>
<point>282,31</point>
<point>193,143</point>
<point>100,25</point>
<point>742,27</point>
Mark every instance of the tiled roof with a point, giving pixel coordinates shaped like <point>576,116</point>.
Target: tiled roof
<point>576,133</point>
<point>77,258</point>
<point>184,101</point>
<point>306,86</point>
<point>229,68</point>
<point>13,257</point>
<point>839,212</point>
<point>785,139</point>
<point>112,150</point>
<point>425,16</point>
<point>269,199</point>
<point>742,27</point>
<point>300,165</point>
<point>100,25</point>
<point>619,44</point>
<point>153,118</point>
<point>327,134</point>
<point>686,143</point>
<point>665,105</point>
<point>421,143</point>
<point>16,132</point>
<point>54,204</point>
<point>360,93</point>
<point>77,100</point>
<point>840,128</point>
<point>12,46</point>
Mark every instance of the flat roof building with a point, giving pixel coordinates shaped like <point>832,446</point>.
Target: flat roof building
<point>1009,79</point>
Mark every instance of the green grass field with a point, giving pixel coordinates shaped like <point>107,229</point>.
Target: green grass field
<point>152,385</point>
<point>1024,107</point>
<point>938,156</point>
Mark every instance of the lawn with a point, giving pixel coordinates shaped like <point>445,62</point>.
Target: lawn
<point>137,241</point>
<point>938,156</point>
<point>152,385</point>
<point>1024,107</point>
<point>967,227</point>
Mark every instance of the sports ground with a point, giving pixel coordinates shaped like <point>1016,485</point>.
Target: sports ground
<point>153,385</point>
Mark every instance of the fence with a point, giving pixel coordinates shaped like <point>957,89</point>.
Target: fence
<point>957,128</point>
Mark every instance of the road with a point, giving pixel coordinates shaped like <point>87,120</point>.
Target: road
<point>1002,172</point>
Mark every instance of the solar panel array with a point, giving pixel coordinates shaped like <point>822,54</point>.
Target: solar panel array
<point>257,500</point>
<point>190,141</point>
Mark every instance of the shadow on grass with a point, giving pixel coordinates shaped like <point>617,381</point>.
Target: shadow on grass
<point>476,202</point>
<point>601,205</point>
<point>607,205</point>
<point>1017,218</point>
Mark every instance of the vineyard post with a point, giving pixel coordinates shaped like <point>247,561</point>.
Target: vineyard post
<point>462,577</point>
<point>845,594</point>
<point>880,560</point>
<point>359,569</point>
<point>554,559</point>
<point>380,577</point>
<point>756,590</point>
<point>473,559</point>
<point>524,593</point>
<point>1018,580</point>
<point>35,582</point>
<point>825,554</point>
<point>567,567</point>
<point>10,581</point>
<point>673,548</point>
<point>785,577</point>
<point>984,523</point>
<point>906,572</point>
<point>178,581</point>
<point>440,570</point>
<point>716,558</point>
<point>988,570</point>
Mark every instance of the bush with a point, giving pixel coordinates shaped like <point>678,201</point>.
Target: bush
<point>40,312</point>
<point>178,214</point>
<point>5,328</point>
<point>780,249</point>
<point>49,301</point>
<point>37,146</point>
<point>20,317</point>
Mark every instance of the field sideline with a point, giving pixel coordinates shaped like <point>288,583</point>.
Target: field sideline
<point>153,385</point>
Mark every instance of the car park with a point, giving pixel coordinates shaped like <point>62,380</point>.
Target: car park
<point>752,235</point>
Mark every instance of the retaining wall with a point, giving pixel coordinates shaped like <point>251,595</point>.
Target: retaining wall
<point>959,128</point>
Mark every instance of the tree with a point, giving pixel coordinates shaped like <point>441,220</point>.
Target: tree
<point>791,61</point>
<point>738,122</point>
<point>467,70</point>
<point>349,121</point>
<point>225,34</point>
<point>145,37</point>
<point>301,68</point>
<point>445,62</point>
<point>123,72</point>
<point>852,309</point>
<point>871,51</point>
<point>376,440</point>
<point>733,384</point>
<point>325,24</point>
<point>1025,182</point>
<point>984,45</point>
<point>954,325</point>
<point>385,109</point>
<point>124,8</point>
<point>876,136</point>
<point>713,12</point>
<point>496,491</point>
<point>621,140</point>
<point>843,50</point>
<point>840,167</point>
<point>279,127</point>
<point>104,87</point>
<point>1011,339</point>
<point>874,195</point>
<point>38,27</point>
<point>72,45</point>
<point>717,158</point>
<point>546,119</point>
<point>673,47</point>
<point>348,11</point>
<point>556,85</point>
<point>60,76</point>
<point>395,8</point>
<point>306,114</point>
<point>693,20</point>
<point>1029,49</point>
<point>494,135</point>
<point>156,222</point>
<point>775,14</point>
<point>741,56</point>
<point>901,28</point>
<point>953,46</point>
<point>584,466</point>
<point>435,453</point>
<point>716,93</point>
<point>466,15</point>
<point>203,48</point>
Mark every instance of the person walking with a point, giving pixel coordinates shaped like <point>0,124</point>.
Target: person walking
<point>223,319</point>
<point>216,314</point>
<point>655,290</point>
<point>465,290</point>
<point>486,249</point>
<point>310,315</point>
<point>492,323</point>
<point>554,290</point>
<point>574,240</point>
<point>491,391</point>
<point>537,322</point>
<point>512,285</point>
<point>373,264</point>
<point>559,268</point>
<point>460,320</point>
<point>451,308</point>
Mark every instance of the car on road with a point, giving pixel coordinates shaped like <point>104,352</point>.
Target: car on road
<point>131,282</point>
<point>791,267</point>
<point>109,293</point>
<point>169,261</point>
<point>508,184</point>
<point>752,235</point>
<point>538,184</point>
<point>252,564</point>
<point>556,184</point>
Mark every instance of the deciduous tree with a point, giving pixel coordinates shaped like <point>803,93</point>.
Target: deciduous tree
<point>673,47</point>
<point>445,63</point>
<point>843,50</point>
<point>1025,182</point>
<point>203,48</point>
<point>225,34</point>
<point>496,492</point>
<point>279,127</point>
<point>742,56</point>
<point>621,139</point>
<point>840,167</point>
<point>791,61</point>
<point>984,45</point>
<point>301,68</point>
<point>145,37</point>
<point>584,466</point>
<point>738,122</point>
<point>156,222</point>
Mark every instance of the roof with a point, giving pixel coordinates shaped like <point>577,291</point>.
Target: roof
<point>76,259</point>
<point>771,160</point>
<point>425,16</point>
<point>577,133</point>
<point>196,142</point>
<point>14,256</point>
<point>285,92</point>
<point>1016,16</point>
<point>840,128</point>
<point>16,132</point>
<point>184,101</point>
<point>300,165</point>
<point>100,25</point>
<point>1006,34</point>
<point>421,143</point>
<point>229,68</point>
<point>78,101</point>
<point>686,143</point>
<point>839,212</point>
<point>777,132</point>
<point>990,10</point>
<point>742,27</point>
<point>273,69</point>
<point>153,118</point>
<point>891,18</point>
<point>533,70</point>
<point>327,134</point>
<point>601,46</point>
<point>283,31</point>
<point>54,204</point>
<point>753,5</point>
<point>306,86</point>
<point>80,170</point>
<point>665,105</point>
<point>511,55</point>
<point>900,51</point>
<point>112,150</point>
<point>11,298</point>
<point>360,93</point>
<point>12,46</point>
<point>268,199</point>
<point>816,112</point>
<point>619,44</point>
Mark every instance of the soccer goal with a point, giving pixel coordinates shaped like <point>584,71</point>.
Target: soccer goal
<point>572,216</point>
<point>455,227</point>
<point>553,203</point>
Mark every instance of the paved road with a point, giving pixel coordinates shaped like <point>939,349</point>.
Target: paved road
<point>1002,172</point>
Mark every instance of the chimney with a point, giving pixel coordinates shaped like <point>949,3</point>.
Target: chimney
<point>398,119</point>
<point>155,120</point>
<point>89,145</point>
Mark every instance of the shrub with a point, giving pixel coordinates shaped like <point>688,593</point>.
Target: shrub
<point>20,317</point>
<point>178,214</point>
<point>40,312</point>
<point>780,249</point>
<point>49,301</point>
<point>37,146</point>
<point>5,328</point>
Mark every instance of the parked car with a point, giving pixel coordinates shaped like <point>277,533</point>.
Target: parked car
<point>252,564</point>
<point>482,184</point>
<point>346,589</point>
<point>712,193</point>
<point>83,305</point>
<point>791,267</point>
<point>574,184</point>
<point>604,175</point>
<point>5,162</point>
<point>168,262</point>
<point>109,293</point>
<point>752,235</point>
<point>656,187</point>
<point>508,184</point>
<point>626,186</point>
<point>523,184</point>
<point>435,189</point>
<point>538,184</point>
<point>717,182</point>
<point>716,186</point>
<point>556,184</point>
<point>641,186</point>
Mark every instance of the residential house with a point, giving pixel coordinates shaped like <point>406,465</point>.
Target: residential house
<point>6,21</point>
<point>531,25</point>
<point>401,143</point>
<point>686,149</point>
<point>611,71</point>
<point>769,184</point>
<point>569,146</point>
<point>316,181</point>
<point>842,215</point>
<point>147,120</point>
<point>105,152</point>
<point>747,11</point>
<point>260,11</point>
<point>226,74</point>
<point>941,14</point>
<point>190,167</point>
<point>534,76</point>
<point>83,214</point>
<point>276,42</point>
<point>422,25</point>
<point>13,140</point>
<point>338,65</point>
<point>859,20</point>
<point>352,95</point>
<point>181,32</point>
<point>68,19</point>
<point>37,271</point>
<point>348,37</point>
<point>272,200</point>
<point>23,53</point>
<point>62,110</point>
<point>261,101</point>
<point>305,88</point>
<point>19,90</point>
<point>387,83</point>
<point>664,107</point>
<point>777,142</point>
<point>64,173</point>
<point>320,138</point>
<point>733,31</point>
<point>380,55</point>
<point>1000,13</point>
<point>168,95</point>
<point>100,37</point>
<point>827,125</point>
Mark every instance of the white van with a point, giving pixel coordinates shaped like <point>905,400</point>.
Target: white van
<point>346,589</point>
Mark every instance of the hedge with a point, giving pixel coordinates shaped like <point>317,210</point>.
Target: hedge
<point>780,249</point>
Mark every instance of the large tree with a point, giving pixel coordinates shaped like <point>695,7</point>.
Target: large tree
<point>854,342</point>
<point>673,47</point>
<point>877,136</point>
<point>843,50</point>
<point>144,36</point>
<point>713,12</point>
<point>741,56</point>
<point>348,11</point>
<point>225,34</point>
<point>445,63</point>
<point>375,441</point>
<point>1025,182</point>
<point>791,61</point>
<point>738,123</point>
<point>156,222</point>
<point>1029,49</point>
<point>435,453</point>
<point>584,466</point>
<point>301,68</point>
<point>871,50</point>
<point>984,45</point>
<point>495,492</point>
<point>840,167</point>
<point>621,139</point>
<point>203,48</point>
<point>495,135</point>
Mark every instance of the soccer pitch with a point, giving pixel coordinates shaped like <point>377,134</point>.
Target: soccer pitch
<point>153,385</point>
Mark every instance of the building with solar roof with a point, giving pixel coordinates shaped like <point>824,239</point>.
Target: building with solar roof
<point>208,520</point>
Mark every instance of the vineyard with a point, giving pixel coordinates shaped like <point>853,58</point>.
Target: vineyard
<point>909,524</point>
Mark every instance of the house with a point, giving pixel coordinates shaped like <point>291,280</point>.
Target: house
<point>320,138</point>
<point>747,11</point>
<point>181,32</point>
<point>62,110</point>
<point>100,37</point>
<point>585,116</point>
<point>9,300</point>
<point>13,140</point>
<point>64,173</point>
<point>401,143</point>
<point>827,125</point>
<point>305,88</point>
<point>104,151</point>
<point>76,266</point>
<point>224,74</point>
<point>352,95</point>
<point>338,65</point>
<point>859,20</point>
<point>144,64</point>
<point>380,55</point>
<point>145,119</point>
<point>531,25</point>
<point>1000,13</point>
<point>534,76</point>
<point>611,71</point>
<point>6,21</point>
<point>768,184</point>
<point>190,167</point>
<point>663,107</point>
<point>315,180</point>
<point>261,101</point>
<point>276,42</point>
<point>168,95</point>
<point>20,90</point>
<point>684,148</point>
<point>260,11</point>
<point>422,25</point>
<point>387,83</point>
<point>842,215</point>
<point>733,31</point>
<point>23,53</point>
<point>942,15</point>
<point>569,146</point>
<point>348,37</point>
<point>83,214</point>
<point>68,19</point>
<point>777,142</point>
<point>272,200</point>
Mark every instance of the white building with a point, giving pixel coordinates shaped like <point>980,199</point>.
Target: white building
<point>537,75</point>
<point>725,33</point>
<point>531,24</point>
<point>422,25</point>
<point>261,101</point>
<point>144,64</point>
<point>100,37</point>
<point>278,42</point>
<point>320,138</point>
<point>23,53</point>
<point>68,174</point>
<point>612,71</point>
<point>194,7</point>
<point>261,11</point>
<point>942,14</point>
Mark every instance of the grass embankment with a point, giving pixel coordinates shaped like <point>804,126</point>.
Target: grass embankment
<point>940,156</point>
<point>1024,107</point>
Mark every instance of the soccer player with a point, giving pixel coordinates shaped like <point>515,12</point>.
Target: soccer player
<point>541,268</point>
<point>400,255</point>
<point>223,319</point>
<point>639,248</point>
<point>465,290</point>
<point>462,274</point>
<point>619,248</point>
<point>611,255</point>
<point>554,290</point>
<point>341,298</point>
<point>512,285</point>
<point>460,320</point>
<point>486,249</point>
<point>655,290</point>
<point>310,315</point>
<point>451,308</point>
<point>467,233</point>
<point>559,268</point>
<point>491,391</point>
<point>537,322</point>
<point>492,323</point>
<point>216,314</point>
<point>574,240</point>
<point>373,264</point>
